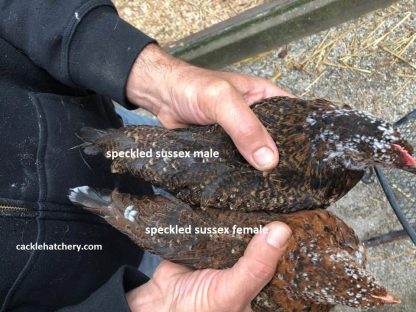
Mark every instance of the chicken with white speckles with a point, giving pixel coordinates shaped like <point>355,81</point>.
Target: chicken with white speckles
<point>324,263</point>
<point>323,151</point>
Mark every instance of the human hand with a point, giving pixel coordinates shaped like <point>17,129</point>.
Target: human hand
<point>176,288</point>
<point>180,94</point>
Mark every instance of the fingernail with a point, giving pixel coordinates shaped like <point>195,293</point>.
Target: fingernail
<point>264,157</point>
<point>278,236</point>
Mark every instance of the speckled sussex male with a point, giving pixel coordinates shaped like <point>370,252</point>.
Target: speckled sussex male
<point>324,263</point>
<point>324,150</point>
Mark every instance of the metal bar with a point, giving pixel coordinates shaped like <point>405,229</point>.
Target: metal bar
<point>266,27</point>
<point>386,238</point>
<point>395,205</point>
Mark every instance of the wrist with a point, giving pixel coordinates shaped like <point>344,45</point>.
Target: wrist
<point>148,84</point>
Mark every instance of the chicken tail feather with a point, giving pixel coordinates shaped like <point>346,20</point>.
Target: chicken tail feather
<point>98,202</point>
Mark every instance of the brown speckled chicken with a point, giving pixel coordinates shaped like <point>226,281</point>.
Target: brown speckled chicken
<point>323,152</point>
<point>324,263</point>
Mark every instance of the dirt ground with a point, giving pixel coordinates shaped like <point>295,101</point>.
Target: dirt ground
<point>171,20</point>
<point>369,63</point>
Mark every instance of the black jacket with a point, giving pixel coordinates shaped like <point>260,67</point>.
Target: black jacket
<point>60,63</point>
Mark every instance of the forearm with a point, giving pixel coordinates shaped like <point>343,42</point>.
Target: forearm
<point>43,29</point>
<point>80,43</point>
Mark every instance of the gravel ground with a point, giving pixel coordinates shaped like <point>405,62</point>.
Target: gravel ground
<point>171,20</point>
<point>353,63</point>
<point>337,64</point>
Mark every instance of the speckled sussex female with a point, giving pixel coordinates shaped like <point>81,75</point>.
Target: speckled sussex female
<point>323,151</point>
<point>324,263</point>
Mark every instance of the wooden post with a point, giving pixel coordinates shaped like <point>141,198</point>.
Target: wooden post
<point>266,27</point>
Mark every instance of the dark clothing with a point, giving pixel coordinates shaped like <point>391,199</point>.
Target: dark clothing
<point>55,58</point>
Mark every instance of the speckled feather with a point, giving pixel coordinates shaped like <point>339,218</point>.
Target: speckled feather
<point>323,151</point>
<point>324,263</point>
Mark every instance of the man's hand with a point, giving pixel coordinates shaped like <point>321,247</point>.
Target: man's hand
<point>176,288</point>
<point>180,94</point>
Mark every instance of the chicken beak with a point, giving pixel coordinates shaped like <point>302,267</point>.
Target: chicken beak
<point>387,299</point>
<point>409,162</point>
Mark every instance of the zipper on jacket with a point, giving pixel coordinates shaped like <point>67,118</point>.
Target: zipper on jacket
<point>13,208</point>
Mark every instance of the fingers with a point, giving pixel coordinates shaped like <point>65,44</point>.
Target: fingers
<point>256,268</point>
<point>254,88</point>
<point>247,132</point>
<point>272,89</point>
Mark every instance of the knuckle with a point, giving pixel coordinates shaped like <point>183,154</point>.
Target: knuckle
<point>261,271</point>
<point>249,131</point>
<point>217,88</point>
<point>190,91</point>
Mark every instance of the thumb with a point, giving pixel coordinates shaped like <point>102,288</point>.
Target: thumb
<point>256,268</point>
<point>247,132</point>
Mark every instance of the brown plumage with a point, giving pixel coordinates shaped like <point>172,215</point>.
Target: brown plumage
<point>323,152</point>
<point>324,263</point>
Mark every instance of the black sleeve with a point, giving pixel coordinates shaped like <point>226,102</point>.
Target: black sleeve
<point>111,296</point>
<point>82,43</point>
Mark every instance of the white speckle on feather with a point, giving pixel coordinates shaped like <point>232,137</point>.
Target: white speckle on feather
<point>77,16</point>
<point>130,213</point>
<point>383,127</point>
<point>348,151</point>
<point>359,255</point>
<point>310,120</point>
